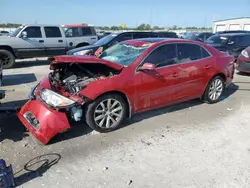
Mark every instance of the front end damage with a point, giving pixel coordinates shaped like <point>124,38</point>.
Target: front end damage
<point>57,99</point>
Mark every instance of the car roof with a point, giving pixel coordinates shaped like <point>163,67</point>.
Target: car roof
<point>234,34</point>
<point>156,41</point>
<point>121,32</point>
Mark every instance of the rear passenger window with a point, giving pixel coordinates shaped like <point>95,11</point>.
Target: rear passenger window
<point>73,32</point>
<point>204,53</point>
<point>188,52</point>
<point>243,40</point>
<point>52,32</point>
<point>80,32</point>
<point>86,31</point>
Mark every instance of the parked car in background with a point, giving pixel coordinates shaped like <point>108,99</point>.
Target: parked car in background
<point>1,70</point>
<point>199,36</point>
<point>130,77</point>
<point>232,31</point>
<point>232,43</point>
<point>34,40</point>
<point>103,34</point>
<point>115,38</point>
<point>4,33</point>
<point>243,61</point>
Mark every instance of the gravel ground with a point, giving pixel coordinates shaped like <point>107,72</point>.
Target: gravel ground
<point>191,145</point>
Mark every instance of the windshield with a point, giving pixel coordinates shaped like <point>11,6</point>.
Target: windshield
<point>192,36</point>
<point>15,33</point>
<point>123,54</point>
<point>105,39</point>
<point>216,39</point>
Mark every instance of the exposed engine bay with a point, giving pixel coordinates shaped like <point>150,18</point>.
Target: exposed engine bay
<point>75,77</point>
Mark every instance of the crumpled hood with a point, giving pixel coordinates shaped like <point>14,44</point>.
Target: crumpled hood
<point>81,60</point>
<point>89,47</point>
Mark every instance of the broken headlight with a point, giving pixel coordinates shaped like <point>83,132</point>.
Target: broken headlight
<point>54,99</point>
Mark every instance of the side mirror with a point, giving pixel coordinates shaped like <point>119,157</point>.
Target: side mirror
<point>24,34</point>
<point>147,67</point>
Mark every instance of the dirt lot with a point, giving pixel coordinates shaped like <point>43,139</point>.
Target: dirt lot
<point>191,145</point>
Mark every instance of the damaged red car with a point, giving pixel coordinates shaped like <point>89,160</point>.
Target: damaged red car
<point>243,61</point>
<point>127,78</point>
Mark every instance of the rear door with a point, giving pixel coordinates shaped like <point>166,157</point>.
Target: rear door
<point>54,42</point>
<point>196,65</point>
<point>33,45</point>
<point>162,86</point>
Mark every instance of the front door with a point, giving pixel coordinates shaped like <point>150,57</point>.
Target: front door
<point>32,45</point>
<point>54,42</point>
<point>158,87</point>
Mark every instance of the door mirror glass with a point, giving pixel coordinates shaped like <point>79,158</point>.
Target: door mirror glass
<point>147,67</point>
<point>24,34</point>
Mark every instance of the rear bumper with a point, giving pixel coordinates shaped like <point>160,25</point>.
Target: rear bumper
<point>43,122</point>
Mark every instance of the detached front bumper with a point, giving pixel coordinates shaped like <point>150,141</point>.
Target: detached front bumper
<point>42,121</point>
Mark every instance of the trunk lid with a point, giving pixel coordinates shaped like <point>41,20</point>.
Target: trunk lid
<point>82,60</point>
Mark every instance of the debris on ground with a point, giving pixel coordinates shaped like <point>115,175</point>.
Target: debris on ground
<point>129,182</point>
<point>105,168</point>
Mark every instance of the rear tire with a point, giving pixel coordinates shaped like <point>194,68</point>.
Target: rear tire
<point>106,113</point>
<point>214,90</point>
<point>8,59</point>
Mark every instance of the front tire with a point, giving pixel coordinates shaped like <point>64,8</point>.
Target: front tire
<point>8,59</point>
<point>106,113</point>
<point>214,90</point>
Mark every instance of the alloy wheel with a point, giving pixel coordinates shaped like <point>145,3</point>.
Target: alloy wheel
<point>215,89</point>
<point>5,59</point>
<point>108,113</point>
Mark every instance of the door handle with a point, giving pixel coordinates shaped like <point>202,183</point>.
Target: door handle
<point>93,38</point>
<point>175,74</point>
<point>60,40</point>
<point>208,66</point>
<point>41,41</point>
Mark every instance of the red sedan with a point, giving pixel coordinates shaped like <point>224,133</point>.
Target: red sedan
<point>127,78</point>
<point>243,62</point>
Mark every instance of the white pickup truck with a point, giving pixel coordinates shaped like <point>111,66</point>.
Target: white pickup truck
<point>35,40</point>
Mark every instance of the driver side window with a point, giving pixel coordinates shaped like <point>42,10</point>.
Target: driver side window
<point>163,56</point>
<point>33,32</point>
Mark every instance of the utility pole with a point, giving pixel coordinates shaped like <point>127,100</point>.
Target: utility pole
<point>205,21</point>
<point>150,18</point>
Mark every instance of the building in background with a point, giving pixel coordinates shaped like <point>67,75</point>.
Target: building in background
<point>233,24</point>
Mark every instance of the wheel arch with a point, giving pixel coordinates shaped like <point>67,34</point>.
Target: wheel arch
<point>125,98</point>
<point>8,48</point>
<point>81,44</point>
<point>217,74</point>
